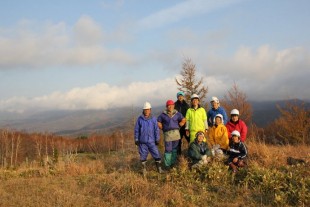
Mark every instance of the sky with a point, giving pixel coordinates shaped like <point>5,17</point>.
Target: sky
<point>103,54</point>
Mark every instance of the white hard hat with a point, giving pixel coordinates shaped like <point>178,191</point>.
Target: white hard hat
<point>234,111</point>
<point>147,105</point>
<point>215,99</point>
<point>219,115</point>
<point>236,133</point>
<point>194,96</point>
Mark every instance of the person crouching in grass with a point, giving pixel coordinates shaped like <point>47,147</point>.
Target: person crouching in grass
<point>218,138</point>
<point>237,152</point>
<point>198,151</point>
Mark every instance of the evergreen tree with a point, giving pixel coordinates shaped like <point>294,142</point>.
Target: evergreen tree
<point>188,82</point>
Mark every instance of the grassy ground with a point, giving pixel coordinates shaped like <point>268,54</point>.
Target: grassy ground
<point>116,180</point>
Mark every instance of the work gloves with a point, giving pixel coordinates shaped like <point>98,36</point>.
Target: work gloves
<point>204,157</point>
<point>204,160</point>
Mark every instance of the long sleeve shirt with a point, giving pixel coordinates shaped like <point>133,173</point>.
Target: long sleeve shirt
<point>238,150</point>
<point>146,130</point>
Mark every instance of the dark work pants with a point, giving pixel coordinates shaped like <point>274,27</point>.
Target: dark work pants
<point>182,134</point>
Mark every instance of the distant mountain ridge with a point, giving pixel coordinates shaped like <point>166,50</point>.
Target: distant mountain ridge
<point>84,122</point>
<point>264,112</point>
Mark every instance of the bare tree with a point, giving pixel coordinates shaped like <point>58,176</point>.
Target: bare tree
<point>188,82</point>
<point>15,145</point>
<point>4,147</point>
<point>18,143</point>
<point>46,148</point>
<point>237,99</point>
<point>38,146</point>
<point>12,148</point>
<point>293,126</point>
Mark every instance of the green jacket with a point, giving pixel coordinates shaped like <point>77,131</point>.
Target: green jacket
<point>195,151</point>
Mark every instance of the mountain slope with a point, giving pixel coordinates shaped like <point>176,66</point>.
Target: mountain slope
<point>83,122</point>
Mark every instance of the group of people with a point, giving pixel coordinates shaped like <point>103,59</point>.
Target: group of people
<point>209,134</point>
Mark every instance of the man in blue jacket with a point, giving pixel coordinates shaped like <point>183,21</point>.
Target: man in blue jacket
<point>216,109</point>
<point>147,137</point>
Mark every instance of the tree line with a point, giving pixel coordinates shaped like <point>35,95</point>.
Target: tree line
<point>46,148</point>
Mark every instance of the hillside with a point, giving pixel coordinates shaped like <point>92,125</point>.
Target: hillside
<point>68,122</point>
<point>73,123</point>
<point>84,122</point>
<point>264,112</point>
<point>115,179</point>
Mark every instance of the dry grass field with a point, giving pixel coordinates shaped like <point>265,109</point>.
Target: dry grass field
<point>115,179</point>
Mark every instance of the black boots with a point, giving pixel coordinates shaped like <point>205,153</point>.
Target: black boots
<point>158,166</point>
<point>144,167</point>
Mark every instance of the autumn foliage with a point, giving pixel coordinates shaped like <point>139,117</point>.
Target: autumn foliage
<point>237,99</point>
<point>42,169</point>
<point>293,126</point>
<point>45,148</point>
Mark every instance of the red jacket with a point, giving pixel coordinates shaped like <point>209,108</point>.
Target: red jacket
<point>240,126</point>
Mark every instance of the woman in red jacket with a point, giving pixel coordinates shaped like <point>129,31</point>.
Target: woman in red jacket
<point>236,124</point>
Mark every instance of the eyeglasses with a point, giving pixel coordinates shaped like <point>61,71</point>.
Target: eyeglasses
<point>234,115</point>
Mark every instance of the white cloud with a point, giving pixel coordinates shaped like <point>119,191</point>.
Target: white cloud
<point>182,11</point>
<point>88,32</point>
<point>267,62</point>
<point>264,73</point>
<point>100,96</point>
<point>30,46</point>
